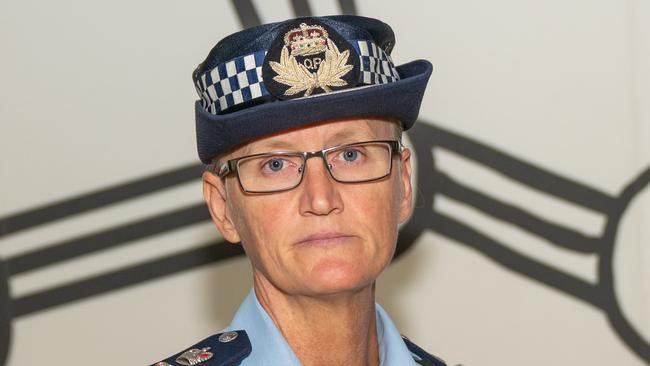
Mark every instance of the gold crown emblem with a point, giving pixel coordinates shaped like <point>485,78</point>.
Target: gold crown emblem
<point>306,40</point>
<point>314,70</point>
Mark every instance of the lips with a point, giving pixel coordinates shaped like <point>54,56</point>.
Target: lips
<point>324,238</point>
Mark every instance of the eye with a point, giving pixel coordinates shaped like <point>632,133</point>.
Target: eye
<point>274,165</point>
<point>350,155</point>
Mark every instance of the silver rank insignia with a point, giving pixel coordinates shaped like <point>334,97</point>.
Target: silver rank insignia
<point>194,356</point>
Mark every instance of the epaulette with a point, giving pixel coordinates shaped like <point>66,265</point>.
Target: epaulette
<point>421,356</point>
<point>223,349</point>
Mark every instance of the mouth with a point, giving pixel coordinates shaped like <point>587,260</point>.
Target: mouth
<point>325,238</point>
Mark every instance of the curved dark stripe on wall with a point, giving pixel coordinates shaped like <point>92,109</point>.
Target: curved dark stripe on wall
<point>109,238</point>
<point>301,8</point>
<point>94,200</point>
<point>622,325</point>
<point>249,17</point>
<point>348,7</point>
<point>246,12</point>
<point>5,314</point>
<point>119,279</point>
<point>426,138</point>
<point>600,295</point>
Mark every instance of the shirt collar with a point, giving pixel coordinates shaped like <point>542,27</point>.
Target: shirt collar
<point>268,344</point>
<point>392,349</point>
<point>270,347</point>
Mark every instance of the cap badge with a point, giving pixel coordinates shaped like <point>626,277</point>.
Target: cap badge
<point>310,62</point>
<point>194,356</point>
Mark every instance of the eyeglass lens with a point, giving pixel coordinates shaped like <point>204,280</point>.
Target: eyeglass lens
<point>282,171</point>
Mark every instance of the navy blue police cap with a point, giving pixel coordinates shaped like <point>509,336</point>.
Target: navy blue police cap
<point>280,76</point>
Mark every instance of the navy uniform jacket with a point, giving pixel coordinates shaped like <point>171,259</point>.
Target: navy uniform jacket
<point>252,339</point>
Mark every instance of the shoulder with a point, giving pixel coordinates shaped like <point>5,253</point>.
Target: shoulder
<point>222,349</point>
<point>421,356</point>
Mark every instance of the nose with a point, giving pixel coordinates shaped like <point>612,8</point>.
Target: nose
<point>319,191</point>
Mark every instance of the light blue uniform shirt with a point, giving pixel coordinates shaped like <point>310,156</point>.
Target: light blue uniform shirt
<point>271,349</point>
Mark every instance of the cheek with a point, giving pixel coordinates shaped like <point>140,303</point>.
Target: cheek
<point>375,209</point>
<point>262,228</point>
<point>380,202</point>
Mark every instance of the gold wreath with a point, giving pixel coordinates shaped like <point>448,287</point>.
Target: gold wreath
<point>299,78</point>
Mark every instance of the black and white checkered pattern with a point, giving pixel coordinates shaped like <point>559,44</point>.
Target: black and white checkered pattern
<point>376,65</point>
<point>231,83</point>
<point>240,80</point>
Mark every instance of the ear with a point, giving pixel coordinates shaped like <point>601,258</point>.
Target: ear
<point>214,193</point>
<point>406,203</point>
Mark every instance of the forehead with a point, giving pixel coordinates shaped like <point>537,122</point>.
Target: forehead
<point>321,135</point>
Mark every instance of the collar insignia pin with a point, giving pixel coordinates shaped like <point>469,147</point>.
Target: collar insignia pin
<point>228,337</point>
<point>194,356</point>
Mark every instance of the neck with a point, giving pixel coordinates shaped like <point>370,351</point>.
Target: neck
<point>336,330</point>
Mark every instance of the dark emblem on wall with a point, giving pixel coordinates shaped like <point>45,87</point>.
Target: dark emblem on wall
<point>431,181</point>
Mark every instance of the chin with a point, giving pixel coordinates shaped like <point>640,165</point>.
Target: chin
<point>337,277</point>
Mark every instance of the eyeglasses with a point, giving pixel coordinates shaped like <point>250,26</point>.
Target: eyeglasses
<point>283,170</point>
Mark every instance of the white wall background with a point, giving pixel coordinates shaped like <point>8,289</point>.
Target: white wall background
<point>96,93</point>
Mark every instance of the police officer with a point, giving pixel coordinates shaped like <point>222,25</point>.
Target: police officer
<point>300,123</point>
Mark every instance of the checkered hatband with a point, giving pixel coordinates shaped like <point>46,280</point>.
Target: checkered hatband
<point>240,79</point>
<point>232,83</point>
<point>376,65</point>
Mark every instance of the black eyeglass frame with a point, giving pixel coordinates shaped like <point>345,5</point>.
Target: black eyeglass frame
<point>231,166</point>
